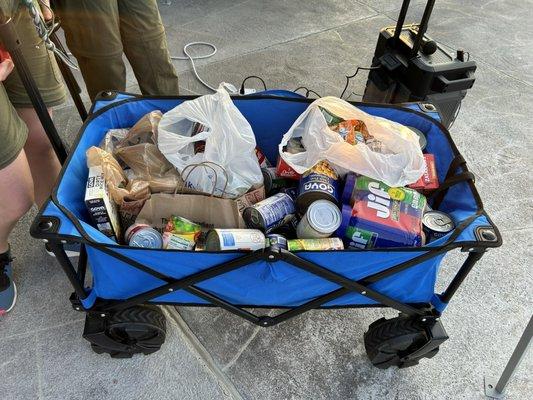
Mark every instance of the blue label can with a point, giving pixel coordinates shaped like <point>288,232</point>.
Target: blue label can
<point>270,213</point>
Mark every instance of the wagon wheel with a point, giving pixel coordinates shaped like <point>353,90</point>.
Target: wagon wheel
<point>138,329</point>
<point>388,341</point>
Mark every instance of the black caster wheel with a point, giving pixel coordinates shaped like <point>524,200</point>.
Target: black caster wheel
<point>403,341</point>
<point>138,329</point>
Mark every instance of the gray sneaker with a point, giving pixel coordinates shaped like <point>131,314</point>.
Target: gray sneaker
<point>8,289</point>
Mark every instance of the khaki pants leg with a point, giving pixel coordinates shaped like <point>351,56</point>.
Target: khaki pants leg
<point>92,32</point>
<point>145,45</point>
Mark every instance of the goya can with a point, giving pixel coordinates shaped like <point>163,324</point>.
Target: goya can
<point>234,239</point>
<point>321,220</point>
<point>315,244</point>
<point>270,213</point>
<point>142,235</point>
<point>276,242</point>
<point>437,224</point>
<point>319,183</point>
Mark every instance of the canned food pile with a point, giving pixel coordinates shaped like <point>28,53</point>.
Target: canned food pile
<point>325,208</point>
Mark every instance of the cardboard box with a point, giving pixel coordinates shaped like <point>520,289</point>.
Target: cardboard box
<point>101,208</point>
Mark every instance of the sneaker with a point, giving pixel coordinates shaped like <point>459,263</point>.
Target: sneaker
<point>71,250</point>
<point>8,289</point>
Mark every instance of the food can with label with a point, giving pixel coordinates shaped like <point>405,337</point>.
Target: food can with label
<point>319,183</point>
<point>437,224</point>
<point>321,219</point>
<point>291,191</point>
<point>276,242</point>
<point>270,213</point>
<point>234,239</point>
<point>142,235</point>
<point>315,244</point>
<point>172,241</point>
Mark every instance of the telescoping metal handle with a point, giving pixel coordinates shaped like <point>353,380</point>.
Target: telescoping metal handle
<point>422,28</point>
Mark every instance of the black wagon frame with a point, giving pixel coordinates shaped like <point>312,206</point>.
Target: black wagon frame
<point>487,236</point>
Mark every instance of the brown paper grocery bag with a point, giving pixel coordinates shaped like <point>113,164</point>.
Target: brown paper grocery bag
<point>208,211</point>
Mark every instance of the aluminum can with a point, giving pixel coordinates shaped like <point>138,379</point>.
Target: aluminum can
<point>142,235</point>
<point>321,220</point>
<point>276,242</point>
<point>234,239</point>
<point>315,244</point>
<point>270,213</point>
<point>319,183</point>
<point>437,224</point>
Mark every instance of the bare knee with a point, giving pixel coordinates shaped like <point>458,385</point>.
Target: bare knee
<point>16,191</point>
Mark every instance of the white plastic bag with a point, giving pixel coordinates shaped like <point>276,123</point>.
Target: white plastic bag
<point>229,144</point>
<point>399,162</point>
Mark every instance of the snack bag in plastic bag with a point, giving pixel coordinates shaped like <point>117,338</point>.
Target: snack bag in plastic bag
<point>353,140</point>
<point>211,129</point>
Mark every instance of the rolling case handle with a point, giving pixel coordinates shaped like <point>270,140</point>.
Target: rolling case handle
<point>443,84</point>
<point>421,29</point>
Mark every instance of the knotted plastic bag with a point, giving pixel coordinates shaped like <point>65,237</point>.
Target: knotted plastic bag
<point>211,129</point>
<point>371,146</point>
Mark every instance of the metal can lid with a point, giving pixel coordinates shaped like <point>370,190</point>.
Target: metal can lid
<point>324,216</point>
<point>134,227</point>
<point>146,237</point>
<point>438,221</point>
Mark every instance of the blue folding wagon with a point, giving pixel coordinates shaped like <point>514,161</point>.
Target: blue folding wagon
<point>126,284</point>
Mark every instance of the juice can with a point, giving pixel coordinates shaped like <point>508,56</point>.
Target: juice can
<point>234,239</point>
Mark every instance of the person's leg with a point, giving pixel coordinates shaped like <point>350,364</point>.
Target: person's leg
<point>145,45</point>
<point>16,191</point>
<point>16,196</point>
<point>39,151</point>
<point>93,36</point>
<point>43,161</point>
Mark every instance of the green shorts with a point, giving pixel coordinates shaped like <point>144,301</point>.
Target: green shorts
<point>43,67</point>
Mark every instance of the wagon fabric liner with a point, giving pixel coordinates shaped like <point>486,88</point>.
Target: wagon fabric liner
<point>402,278</point>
